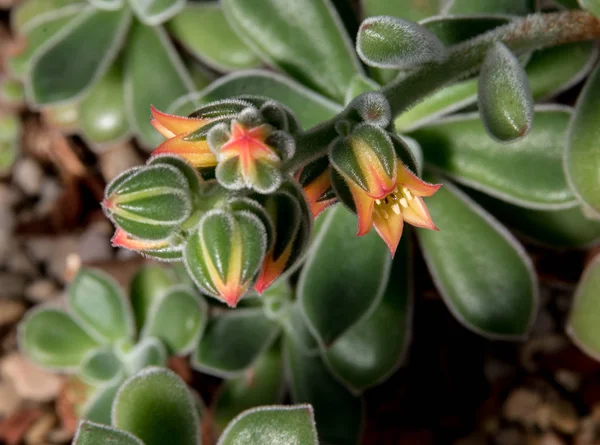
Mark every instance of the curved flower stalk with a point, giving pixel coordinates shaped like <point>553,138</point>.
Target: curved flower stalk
<point>95,56</point>
<point>103,337</point>
<point>154,407</point>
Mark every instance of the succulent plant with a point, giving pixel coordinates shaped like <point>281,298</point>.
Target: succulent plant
<point>103,337</point>
<point>109,60</point>
<point>154,407</point>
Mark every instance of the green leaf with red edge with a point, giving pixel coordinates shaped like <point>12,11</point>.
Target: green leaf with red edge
<point>310,107</point>
<point>569,228</point>
<point>149,50</point>
<point>262,384</point>
<point>51,338</point>
<point>582,156</point>
<point>233,342</point>
<point>93,39</point>
<point>583,327</point>
<point>156,406</point>
<point>89,433</point>
<point>527,172</point>
<point>202,29</point>
<point>353,286</point>
<point>373,348</point>
<point>481,271</point>
<point>304,38</point>
<point>339,415</point>
<point>272,425</point>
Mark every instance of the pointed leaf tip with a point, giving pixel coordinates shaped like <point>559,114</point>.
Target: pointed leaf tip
<point>388,42</point>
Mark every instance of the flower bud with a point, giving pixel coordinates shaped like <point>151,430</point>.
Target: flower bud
<point>224,253</point>
<point>315,180</point>
<point>250,152</point>
<point>149,202</point>
<point>162,250</point>
<point>187,135</point>
<point>291,218</point>
<point>366,158</point>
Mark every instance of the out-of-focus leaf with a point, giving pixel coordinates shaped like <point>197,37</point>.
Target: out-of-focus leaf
<point>304,38</point>
<point>98,301</point>
<point>372,349</point>
<point>345,272</point>
<point>233,341</point>
<point>517,7</point>
<point>50,337</point>
<point>505,99</point>
<point>90,433</point>
<point>177,319</point>
<point>155,12</point>
<point>481,271</point>
<point>360,84</point>
<point>150,51</point>
<point>273,425</point>
<point>413,10</point>
<point>109,5</point>
<point>147,286</point>
<point>583,325</point>
<point>527,172</point>
<point>338,414</point>
<point>260,385</point>
<point>148,352</point>
<point>98,408</point>
<point>387,42</point>
<point>582,159</point>
<point>203,30</point>
<point>310,107</point>
<point>558,228</point>
<point>103,117</point>
<point>93,40</point>
<point>552,70</point>
<point>592,6</point>
<point>156,406</point>
<point>30,13</point>
<point>295,327</point>
<point>100,367</point>
<point>64,117</point>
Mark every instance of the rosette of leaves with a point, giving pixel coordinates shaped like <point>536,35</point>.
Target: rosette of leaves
<point>107,61</point>
<point>103,337</point>
<point>154,407</point>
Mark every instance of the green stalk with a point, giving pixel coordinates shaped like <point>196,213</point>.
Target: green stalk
<point>524,35</point>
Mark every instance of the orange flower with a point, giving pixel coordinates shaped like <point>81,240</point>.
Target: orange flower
<point>388,214</point>
<point>177,129</point>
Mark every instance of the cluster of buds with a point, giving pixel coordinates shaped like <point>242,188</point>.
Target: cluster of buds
<point>215,196</point>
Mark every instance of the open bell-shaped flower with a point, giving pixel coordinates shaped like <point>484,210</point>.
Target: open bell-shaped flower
<point>186,136</point>
<point>366,159</point>
<point>250,152</point>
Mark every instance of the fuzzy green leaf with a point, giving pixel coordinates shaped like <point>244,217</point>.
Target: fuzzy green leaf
<point>569,228</point>
<point>527,172</point>
<point>592,6</point>
<point>93,40</point>
<point>304,38</point>
<point>388,42</point>
<point>310,107</point>
<point>372,349</point>
<point>149,50</point>
<point>233,341</point>
<point>583,327</point>
<point>28,13</point>
<point>582,158</point>
<point>109,5</point>
<point>103,117</point>
<point>155,12</point>
<point>147,286</point>
<point>505,99</point>
<point>345,272</point>
<point>50,337</point>
<point>90,433</point>
<point>516,7</point>
<point>203,30</point>
<point>98,408</point>
<point>481,271</point>
<point>148,352</point>
<point>338,414</point>
<point>177,319</point>
<point>156,406</point>
<point>260,385</point>
<point>98,301</point>
<point>413,10</point>
<point>100,367</point>
<point>273,425</point>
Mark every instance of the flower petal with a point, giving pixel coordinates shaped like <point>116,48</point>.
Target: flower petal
<point>196,153</point>
<point>389,229</point>
<point>364,208</point>
<point>417,214</point>
<point>170,125</point>
<point>417,186</point>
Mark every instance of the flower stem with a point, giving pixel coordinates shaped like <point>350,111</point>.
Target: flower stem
<point>521,36</point>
